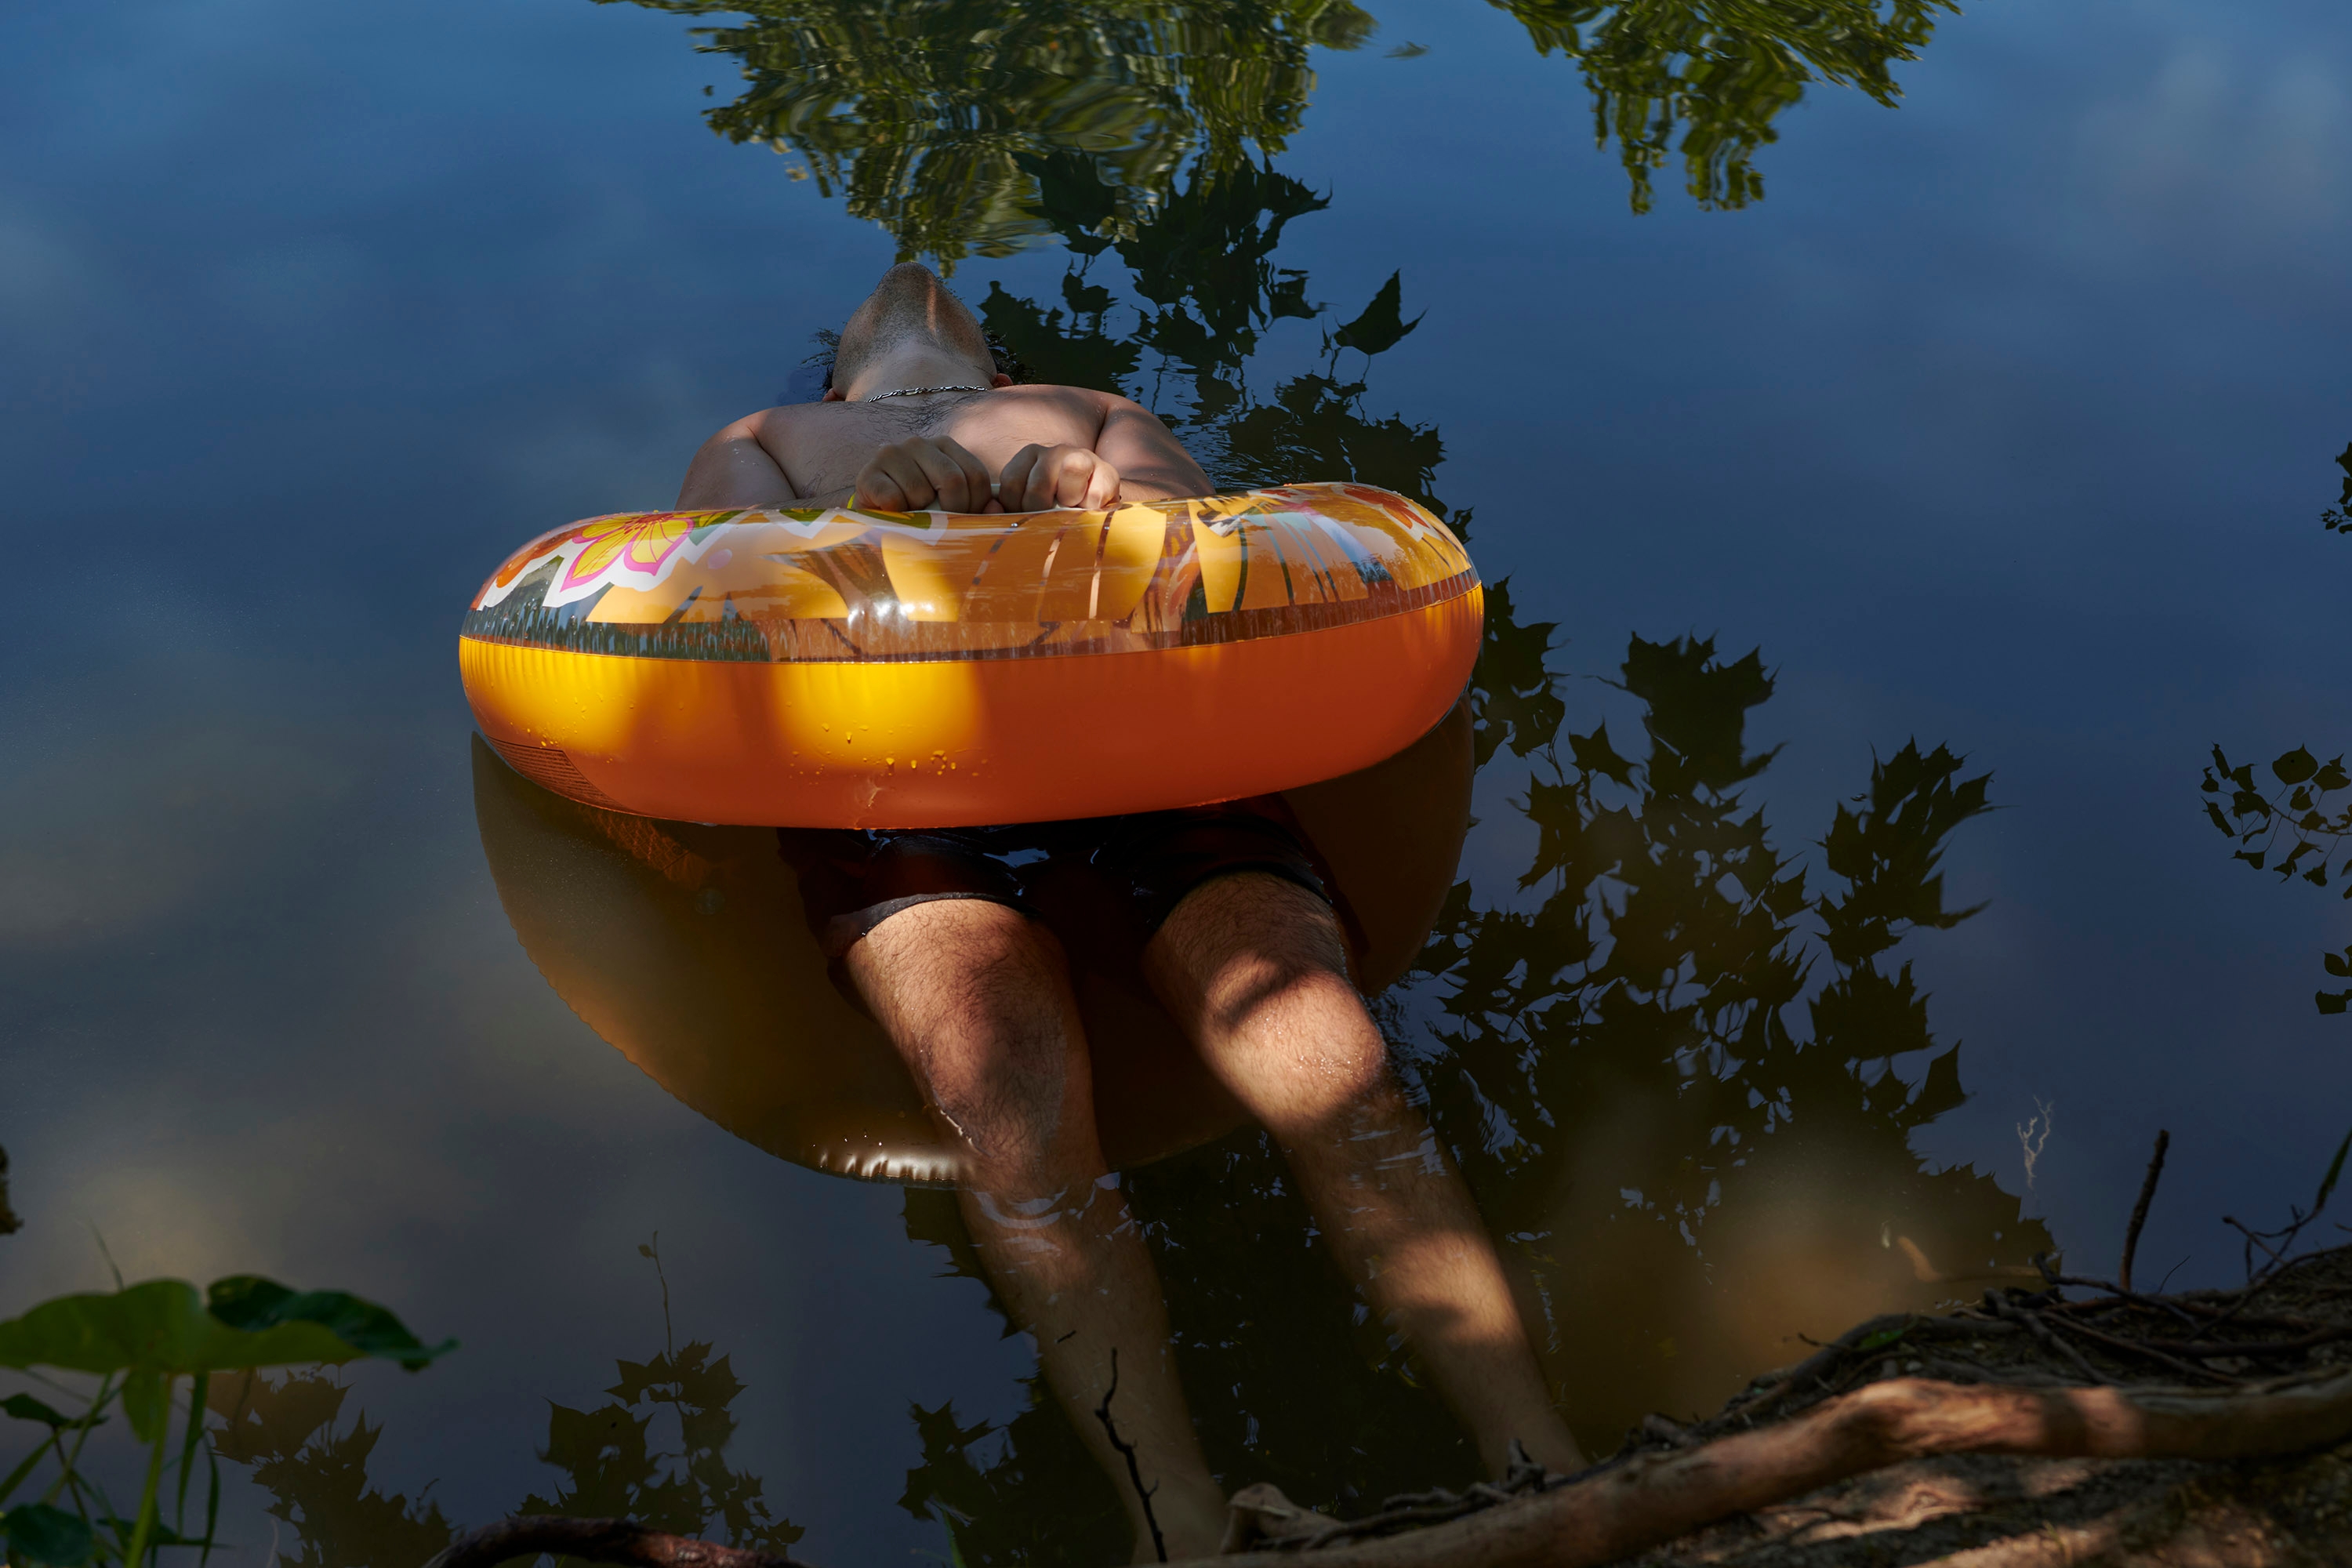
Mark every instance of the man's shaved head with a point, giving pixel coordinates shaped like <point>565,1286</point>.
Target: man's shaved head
<point>911,307</point>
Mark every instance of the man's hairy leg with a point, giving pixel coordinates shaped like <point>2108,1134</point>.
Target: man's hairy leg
<point>977,998</point>
<point>1253,967</point>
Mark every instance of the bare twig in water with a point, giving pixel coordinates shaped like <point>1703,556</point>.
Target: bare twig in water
<point>2139,1209</point>
<point>9,1223</point>
<point>1625,1509</point>
<point>617,1540</point>
<point>1127,1451</point>
<point>2296,1219</point>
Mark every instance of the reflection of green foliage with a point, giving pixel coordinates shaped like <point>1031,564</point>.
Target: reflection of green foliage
<point>317,1475</point>
<point>1669,919</point>
<point>2338,519</point>
<point>1204,269</point>
<point>614,1470</point>
<point>1383,325</point>
<point>1643,1005</point>
<point>1719,72</point>
<point>1644,1008</point>
<point>967,128</point>
<point>2296,829</point>
<point>1514,699</point>
<point>1287,1379</point>
<point>1021,1493</point>
<point>612,1459</point>
<point>2303,823</point>
<point>937,118</point>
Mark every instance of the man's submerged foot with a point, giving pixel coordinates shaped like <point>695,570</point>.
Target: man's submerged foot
<point>1261,1516</point>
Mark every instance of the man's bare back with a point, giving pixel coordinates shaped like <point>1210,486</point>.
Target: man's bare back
<point>918,416</point>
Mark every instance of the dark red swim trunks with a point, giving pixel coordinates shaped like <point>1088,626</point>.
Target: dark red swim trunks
<point>1128,871</point>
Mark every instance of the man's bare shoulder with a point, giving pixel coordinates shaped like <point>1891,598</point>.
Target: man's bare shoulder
<point>786,417</point>
<point>1103,404</point>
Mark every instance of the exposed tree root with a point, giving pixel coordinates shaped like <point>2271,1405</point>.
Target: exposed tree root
<point>1657,1496</point>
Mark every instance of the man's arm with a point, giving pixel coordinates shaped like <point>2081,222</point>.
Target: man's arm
<point>1152,463</point>
<point>733,470</point>
<point>1133,458</point>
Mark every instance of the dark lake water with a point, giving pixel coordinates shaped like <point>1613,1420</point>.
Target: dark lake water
<point>1985,431</point>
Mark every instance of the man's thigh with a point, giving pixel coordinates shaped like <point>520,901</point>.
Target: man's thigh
<point>852,882</point>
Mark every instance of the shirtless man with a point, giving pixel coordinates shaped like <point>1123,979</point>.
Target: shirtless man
<point>1238,941</point>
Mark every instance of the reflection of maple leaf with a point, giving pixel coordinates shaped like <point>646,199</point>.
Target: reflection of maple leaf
<point>1383,325</point>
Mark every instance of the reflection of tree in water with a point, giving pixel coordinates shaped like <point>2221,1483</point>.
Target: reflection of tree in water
<point>944,120</point>
<point>1719,72</point>
<point>2294,816</point>
<point>1684,1177</point>
<point>286,1428</point>
<point>935,118</point>
<point>614,1468</point>
<point>1670,1078</point>
<point>616,1460</point>
<point>1681,1079</point>
<point>1694,1152</point>
<point>2338,519</point>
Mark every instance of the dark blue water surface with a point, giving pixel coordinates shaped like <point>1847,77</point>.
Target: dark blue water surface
<point>2002,420</point>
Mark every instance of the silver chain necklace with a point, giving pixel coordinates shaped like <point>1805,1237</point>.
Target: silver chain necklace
<point>920,391</point>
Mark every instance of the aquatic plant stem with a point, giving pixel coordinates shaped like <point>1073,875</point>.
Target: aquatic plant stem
<point>88,1421</point>
<point>197,1392</point>
<point>16,1476</point>
<point>149,1499</point>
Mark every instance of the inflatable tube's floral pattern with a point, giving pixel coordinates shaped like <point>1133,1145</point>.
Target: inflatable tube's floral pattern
<point>841,583</point>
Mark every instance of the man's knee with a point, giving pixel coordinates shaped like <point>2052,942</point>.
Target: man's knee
<point>977,997</point>
<point>1255,968</point>
<point>1244,938</point>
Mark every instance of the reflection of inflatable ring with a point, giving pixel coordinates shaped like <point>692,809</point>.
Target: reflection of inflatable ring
<point>685,947</point>
<point>829,668</point>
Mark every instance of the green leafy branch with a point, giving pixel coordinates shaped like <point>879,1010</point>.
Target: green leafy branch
<point>2297,812</point>
<point>144,1343</point>
<point>2296,829</point>
<point>2338,519</point>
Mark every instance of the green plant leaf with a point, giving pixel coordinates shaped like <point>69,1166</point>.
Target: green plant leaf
<point>160,1328</point>
<point>250,1301</point>
<point>25,1407</point>
<point>1882,1338</point>
<point>146,1400</point>
<point>39,1533</point>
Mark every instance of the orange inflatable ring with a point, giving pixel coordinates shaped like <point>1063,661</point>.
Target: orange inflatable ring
<point>832,668</point>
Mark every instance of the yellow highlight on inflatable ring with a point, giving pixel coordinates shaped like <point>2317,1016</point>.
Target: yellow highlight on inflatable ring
<point>837,667</point>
